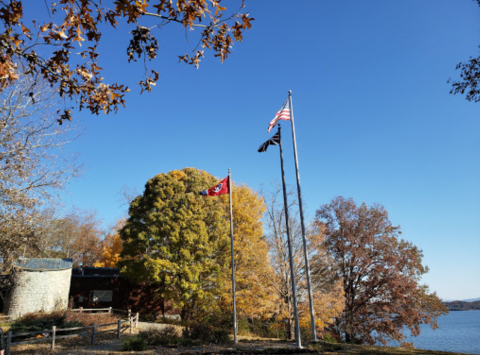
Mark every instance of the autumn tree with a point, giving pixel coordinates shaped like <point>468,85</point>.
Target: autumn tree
<point>76,235</point>
<point>255,295</point>
<point>380,272</point>
<point>178,240</point>
<point>111,247</point>
<point>71,26</point>
<point>33,166</point>
<point>326,290</point>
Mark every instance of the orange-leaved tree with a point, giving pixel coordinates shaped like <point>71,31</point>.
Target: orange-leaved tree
<point>381,274</point>
<point>71,26</point>
<point>112,246</point>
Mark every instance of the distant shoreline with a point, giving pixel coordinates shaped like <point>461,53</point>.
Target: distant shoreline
<point>462,306</point>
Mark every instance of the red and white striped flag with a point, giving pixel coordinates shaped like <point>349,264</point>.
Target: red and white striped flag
<point>282,114</point>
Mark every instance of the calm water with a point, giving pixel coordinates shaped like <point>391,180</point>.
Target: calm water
<point>457,332</point>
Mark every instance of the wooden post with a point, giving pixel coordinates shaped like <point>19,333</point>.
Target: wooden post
<point>81,309</point>
<point>54,331</point>
<point>131,325</point>
<point>136,320</point>
<point>9,342</point>
<point>94,330</point>
<point>129,313</point>
<point>119,328</point>
<point>109,310</point>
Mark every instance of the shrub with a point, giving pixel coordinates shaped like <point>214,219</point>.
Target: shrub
<point>327,337</point>
<point>164,336</point>
<point>32,322</point>
<point>206,333</point>
<point>133,344</point>
<point>89,318</point>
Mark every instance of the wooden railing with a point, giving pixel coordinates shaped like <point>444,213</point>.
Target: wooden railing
<point>53,335</point>
<point>93,310</point>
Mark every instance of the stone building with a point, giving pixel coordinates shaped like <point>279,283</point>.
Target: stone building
<point>38,285</point>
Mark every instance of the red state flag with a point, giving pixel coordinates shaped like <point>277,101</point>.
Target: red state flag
<point>219,189</point>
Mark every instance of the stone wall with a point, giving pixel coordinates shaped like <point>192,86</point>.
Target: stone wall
<point>35,291</point>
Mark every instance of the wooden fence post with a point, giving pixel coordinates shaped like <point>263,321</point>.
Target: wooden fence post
<point>131,325</point>
<point>9,342</point>
<point>54,331</point>
<point>119,329</point>
<point>81,309</point>
<point>109,310</point>
<point>136,320</point>
<point>93,333</point>
<point>129,313</point>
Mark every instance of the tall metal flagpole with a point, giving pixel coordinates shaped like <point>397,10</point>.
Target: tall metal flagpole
<point>294,291</point>
<point>233,263</point>
<point>307,265</point>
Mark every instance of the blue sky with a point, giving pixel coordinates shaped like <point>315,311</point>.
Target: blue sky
<point>374,118</point>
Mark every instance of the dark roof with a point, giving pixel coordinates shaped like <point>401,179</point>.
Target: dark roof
<point>43,264</point>
<point>95,271</point>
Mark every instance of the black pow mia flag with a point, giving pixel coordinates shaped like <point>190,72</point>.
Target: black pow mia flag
<point>275,140</point>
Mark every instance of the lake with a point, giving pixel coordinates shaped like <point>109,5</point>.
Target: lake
<point>457,332</point>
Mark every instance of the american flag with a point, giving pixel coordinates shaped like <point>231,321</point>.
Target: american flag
<point>282,114</point>
<point>275,140</point>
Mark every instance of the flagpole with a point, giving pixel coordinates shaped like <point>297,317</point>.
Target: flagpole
<point>294,292</point>
<point>307,265</point>
<point>233,263</point>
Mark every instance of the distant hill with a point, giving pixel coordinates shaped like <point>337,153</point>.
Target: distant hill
<point>465,300</point>
<point>463,305</point>
<point>471,299</point>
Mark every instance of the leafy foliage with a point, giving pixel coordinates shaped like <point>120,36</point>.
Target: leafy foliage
<point>133,343</point>
<point>165,336</point>
<point>39,321</point>
<point>72,25</point>
<point>177,240</point>
<point>112,246</point>
<point>255,294</point>
<point>469,83</point>
<point>380,274</point>
<point>206,333</point>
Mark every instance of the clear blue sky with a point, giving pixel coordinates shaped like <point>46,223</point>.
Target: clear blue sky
<point>374,118</point>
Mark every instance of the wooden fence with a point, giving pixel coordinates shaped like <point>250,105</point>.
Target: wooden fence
<point>108,310</point>
<point>54,334</point>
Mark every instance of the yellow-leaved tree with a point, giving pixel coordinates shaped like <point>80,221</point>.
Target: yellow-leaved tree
<point>112,246</point>
<point>255,294</point>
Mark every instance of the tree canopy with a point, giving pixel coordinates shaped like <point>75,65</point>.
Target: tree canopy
<point>380,272</point>
<point>71,26</point>
<point>111,246</point>
<point>178,240</point>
